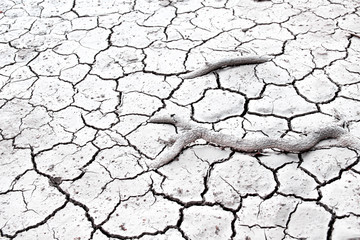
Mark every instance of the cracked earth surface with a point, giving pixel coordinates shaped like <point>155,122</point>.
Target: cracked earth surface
<point>80,80</point>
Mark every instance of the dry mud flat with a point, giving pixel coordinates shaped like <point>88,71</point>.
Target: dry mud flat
<point>93,102</point>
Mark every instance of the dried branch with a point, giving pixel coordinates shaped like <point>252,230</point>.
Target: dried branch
<point>225,63</point>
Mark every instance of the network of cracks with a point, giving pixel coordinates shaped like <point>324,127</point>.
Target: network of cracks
<point>90,97</point>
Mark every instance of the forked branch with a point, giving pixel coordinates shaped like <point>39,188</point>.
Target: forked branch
<point>191,132</point>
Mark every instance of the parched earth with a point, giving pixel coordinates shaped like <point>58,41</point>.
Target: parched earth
<point>80,80</point>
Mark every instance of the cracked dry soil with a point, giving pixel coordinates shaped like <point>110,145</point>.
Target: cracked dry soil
<point>81,81</point>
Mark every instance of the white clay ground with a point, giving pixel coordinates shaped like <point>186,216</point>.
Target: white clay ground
<point>80,79</point>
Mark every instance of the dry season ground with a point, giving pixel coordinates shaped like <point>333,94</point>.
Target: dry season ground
<point>98,123</point>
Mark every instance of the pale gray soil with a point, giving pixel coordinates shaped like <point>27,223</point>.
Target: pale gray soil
<point>80,81</point>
